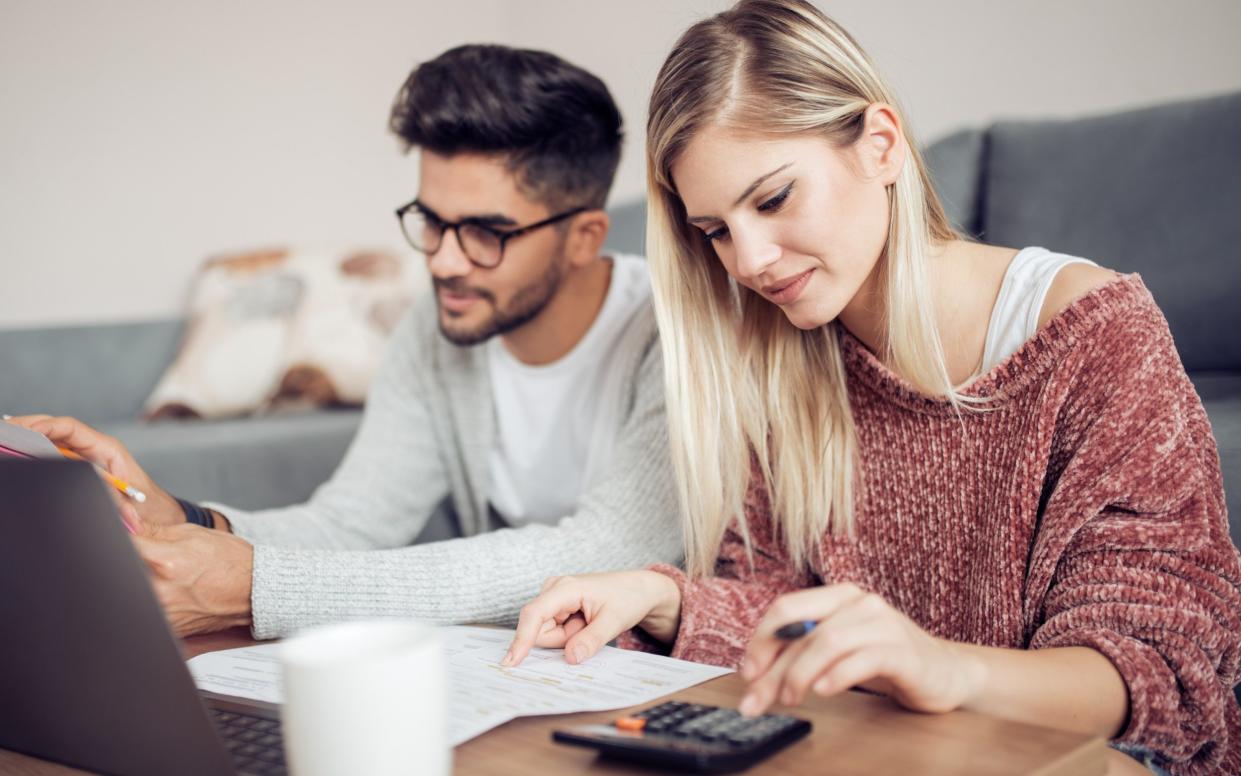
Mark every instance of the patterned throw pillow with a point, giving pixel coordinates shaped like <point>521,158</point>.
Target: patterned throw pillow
<point>283,328</point>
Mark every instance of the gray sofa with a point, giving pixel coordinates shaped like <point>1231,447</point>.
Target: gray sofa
<point>1156,191</point>
<point>102,375</point>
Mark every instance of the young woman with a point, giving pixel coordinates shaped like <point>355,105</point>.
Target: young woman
<point>982,472</point>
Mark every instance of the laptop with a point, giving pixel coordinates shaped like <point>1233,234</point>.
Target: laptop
<point>90,674</point>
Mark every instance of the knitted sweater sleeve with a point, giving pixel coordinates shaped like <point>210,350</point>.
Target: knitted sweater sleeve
<point>719,613</point>
<point>1133,556</point>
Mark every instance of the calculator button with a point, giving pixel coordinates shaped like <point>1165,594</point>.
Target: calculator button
<point>706,739</point>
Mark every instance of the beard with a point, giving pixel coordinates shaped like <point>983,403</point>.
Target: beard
<point>524,307</point>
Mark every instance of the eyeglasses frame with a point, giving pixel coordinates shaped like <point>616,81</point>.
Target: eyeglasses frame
<point>503,235</point>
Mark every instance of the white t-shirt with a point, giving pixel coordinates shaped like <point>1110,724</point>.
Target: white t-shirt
<point>556,424</point>
<point>1014,319</point>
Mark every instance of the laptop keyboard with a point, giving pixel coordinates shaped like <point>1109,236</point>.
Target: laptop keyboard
<point>254,742</point>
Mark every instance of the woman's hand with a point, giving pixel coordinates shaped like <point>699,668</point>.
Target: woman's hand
<point>108,453</point>
<point>860,639</point>
<point>583,613</point>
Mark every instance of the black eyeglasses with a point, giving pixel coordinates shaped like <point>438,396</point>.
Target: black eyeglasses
<point>481,243</point>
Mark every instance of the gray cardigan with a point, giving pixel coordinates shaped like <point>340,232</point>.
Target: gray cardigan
<point>425,436</point>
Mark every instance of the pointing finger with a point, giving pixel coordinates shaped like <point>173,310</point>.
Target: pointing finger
<point>556,600</point>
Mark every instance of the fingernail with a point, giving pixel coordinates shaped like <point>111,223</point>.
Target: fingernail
<point>822,686</point>
<point>749,706</point>
<point>129,526</point>
<point>507,659</point>
<point>579,653</point>
<point>746,668</point>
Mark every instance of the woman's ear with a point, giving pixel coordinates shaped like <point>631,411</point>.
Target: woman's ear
<point>881,147</point>
<point>587,234</point>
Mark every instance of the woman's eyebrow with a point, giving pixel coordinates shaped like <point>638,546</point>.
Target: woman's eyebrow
<point>759,182</point>
<point>748,191</point>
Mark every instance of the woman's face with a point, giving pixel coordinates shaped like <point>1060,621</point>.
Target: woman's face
<point>794,218</point>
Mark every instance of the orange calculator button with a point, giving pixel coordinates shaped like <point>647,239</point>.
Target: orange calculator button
<point>630,723</point>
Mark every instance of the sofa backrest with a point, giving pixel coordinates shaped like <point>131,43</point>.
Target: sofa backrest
<point>627,233</point>
<point>956,165</point>
<point>1155,191</point>
<point>96,373</point>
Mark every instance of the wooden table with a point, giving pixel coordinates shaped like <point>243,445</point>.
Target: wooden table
<point>854,733</point>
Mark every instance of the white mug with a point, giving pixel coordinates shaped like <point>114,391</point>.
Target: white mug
<point>366,698</point>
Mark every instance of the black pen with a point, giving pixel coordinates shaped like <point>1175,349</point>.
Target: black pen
<point>795,630</point>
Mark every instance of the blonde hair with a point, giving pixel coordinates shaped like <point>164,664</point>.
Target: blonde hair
<point>747,390</point>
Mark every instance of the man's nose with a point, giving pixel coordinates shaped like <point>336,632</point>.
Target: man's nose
<point>450,260</point>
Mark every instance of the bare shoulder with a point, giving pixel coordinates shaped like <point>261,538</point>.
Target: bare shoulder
<point>1073,282</point>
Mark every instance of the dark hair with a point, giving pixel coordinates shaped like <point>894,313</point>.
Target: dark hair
<point>556,123</point>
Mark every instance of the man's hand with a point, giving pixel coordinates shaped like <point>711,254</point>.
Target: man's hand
<point>202,578</point>
<point>102,450</point>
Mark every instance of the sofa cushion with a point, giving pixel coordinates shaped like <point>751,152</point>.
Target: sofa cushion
<point>285,326</point>
<point>1155,191</point>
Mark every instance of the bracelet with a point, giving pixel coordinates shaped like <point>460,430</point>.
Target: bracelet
<point>196,514</point>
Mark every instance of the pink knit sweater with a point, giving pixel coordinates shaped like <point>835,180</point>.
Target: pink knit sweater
<point>1086,510</point>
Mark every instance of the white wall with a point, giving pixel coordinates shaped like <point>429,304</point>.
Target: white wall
<point>139,137</point>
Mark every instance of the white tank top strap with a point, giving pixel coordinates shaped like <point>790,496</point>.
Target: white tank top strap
<point>1014,319</point>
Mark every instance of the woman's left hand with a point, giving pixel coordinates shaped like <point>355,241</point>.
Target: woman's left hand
<point>860,639</point>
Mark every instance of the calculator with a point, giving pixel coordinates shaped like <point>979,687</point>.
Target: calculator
<point>689,737</point>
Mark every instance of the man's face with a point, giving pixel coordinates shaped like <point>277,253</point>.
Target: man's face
<point>476,303</point>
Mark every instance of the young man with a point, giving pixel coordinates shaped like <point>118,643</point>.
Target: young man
<point>527,391</point>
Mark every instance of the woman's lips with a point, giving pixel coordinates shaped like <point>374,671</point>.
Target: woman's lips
<point>788,292</point>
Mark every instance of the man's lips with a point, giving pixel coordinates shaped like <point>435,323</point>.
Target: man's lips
<point>787,290</point>
<point>456,302</point>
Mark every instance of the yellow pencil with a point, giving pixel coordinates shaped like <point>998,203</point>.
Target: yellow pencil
<point>116,482</point>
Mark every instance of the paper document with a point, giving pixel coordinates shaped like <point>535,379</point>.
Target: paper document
<point>22,442</point>
<point>481,693</point>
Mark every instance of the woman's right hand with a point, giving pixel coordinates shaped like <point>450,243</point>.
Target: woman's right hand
<point>583,613</point>
<point>108,453</point>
